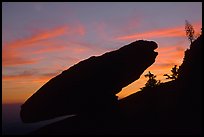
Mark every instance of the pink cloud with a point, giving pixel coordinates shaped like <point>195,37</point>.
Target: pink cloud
<point>49,49</point>
<point>166,32</point>
<point>43,35</point>
<point>14,52</point>
<point>15,61</point>
<point>173,32</point>
<point>81,30</point>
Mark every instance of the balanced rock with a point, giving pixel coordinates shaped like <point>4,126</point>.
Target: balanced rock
<point>91,85</point>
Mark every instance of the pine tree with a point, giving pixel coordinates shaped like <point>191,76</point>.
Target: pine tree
<point>152,82</point>
<point>190,33</point>
<point>174,74</point>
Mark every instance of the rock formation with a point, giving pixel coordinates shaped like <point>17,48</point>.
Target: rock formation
<point>172,108</point>
<point>90,86</point>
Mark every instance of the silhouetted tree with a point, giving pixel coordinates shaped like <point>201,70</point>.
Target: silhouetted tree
<point>174,74</point>
<point>152,82</point>
<point>198,34</point>
<point>190,33</point>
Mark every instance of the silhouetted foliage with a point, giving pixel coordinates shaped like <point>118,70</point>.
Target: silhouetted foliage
<point>174,74</point>
<point>190,33</point>
<point>152,82</point>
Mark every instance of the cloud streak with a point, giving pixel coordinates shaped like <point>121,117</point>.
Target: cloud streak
<point>160,33</point>
<point>29,75</point>
<point>19,52</point>
<point>43,35</point>
<point>172,32</point>
<point>14,53</point>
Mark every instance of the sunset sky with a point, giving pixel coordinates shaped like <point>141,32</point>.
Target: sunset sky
<point>40,40</point>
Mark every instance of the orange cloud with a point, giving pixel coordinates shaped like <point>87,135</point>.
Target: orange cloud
<point>13,57</point>
<point>14,52</point>
<point>18,88</point>
<point>166,32</point>
<point>171,54</point>
<point>169,50</point>
<point>29,76</point>
<point>173,32</point>
<point>16,77</point>
<point>14,61</point>
<point>43,35</point>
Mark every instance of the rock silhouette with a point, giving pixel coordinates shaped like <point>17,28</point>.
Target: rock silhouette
<point>89,87</point>
<point>172,108</point>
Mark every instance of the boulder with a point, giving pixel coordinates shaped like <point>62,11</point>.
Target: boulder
<point>90,86</point>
